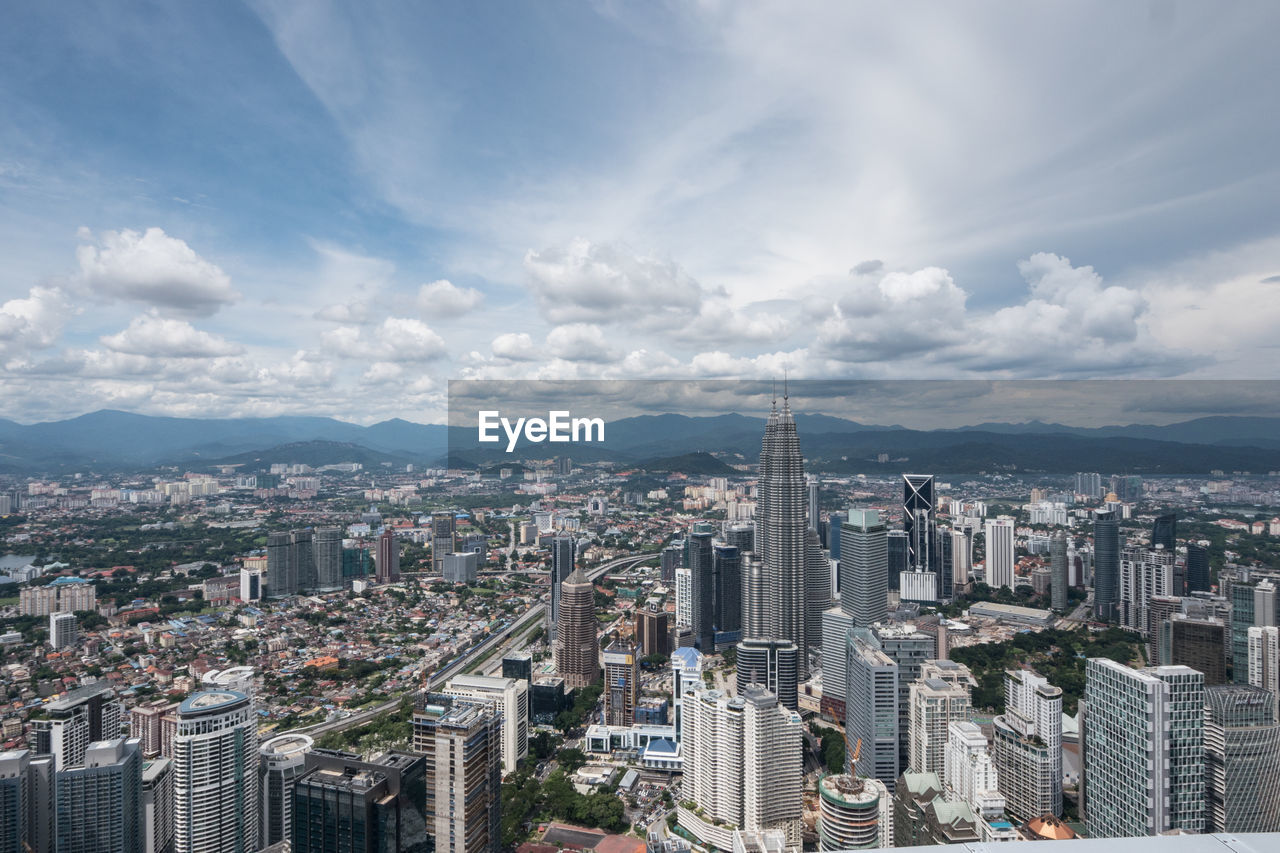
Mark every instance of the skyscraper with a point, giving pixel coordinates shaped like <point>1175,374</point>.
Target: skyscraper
<point>62,630</point>
<point>781,540</point>
<point>1197,568</point>
<point>817,586</point>
<point>345,804</point>
<point>1198,643</point>
<point>80,717</point>
<point>1242,759</point>
<point>653,630</point>
<point>577,651</point>
<point>215,783</point>
<point>444,529</point>
<point>1164,532</point>
<point>1144,573</point>
<point>1143,749</point>
<point>727,605</point>
<point>939,697</point>
<point>1089,485</point>
<point>700,561</point>
<point>99,805</point>
<point>621,684</point>
<point>27,796</point>
<point>871,707</point>
<point>157,805</point>
<point>772,664</point>
<point>896,544</point>
<point>281,760</point>
<point>853,813</point>
<point>511,698</point>
<point>1000,559</point>
<point>327,551</point>
<point>1026,745</point>
<point>1058,567</point>
<point>835,626</point>
<point>462,745</point>
<point>387,560</point>
<point>563,556</point>
<point>1106,566</point>
<point>865,566</point>
<point>909,648</point>
<point>1263,665</point>
<point>814,518</point>
<point>918,516</point>
<point>290,563</point>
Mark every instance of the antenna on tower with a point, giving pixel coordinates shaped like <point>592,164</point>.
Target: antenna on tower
<point>785,395</point>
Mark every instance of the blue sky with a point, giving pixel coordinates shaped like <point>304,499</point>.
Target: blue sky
<point>247,209</point>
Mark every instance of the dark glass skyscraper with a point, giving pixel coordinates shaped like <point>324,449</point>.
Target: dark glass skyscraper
<point>897,551</point>
<point>1165,532</point>
<point>1197,568</point>
<point>918,521</point>
<point>699,559</point>
<point>1106,565</point>
<point>727,564</point>
<point>563,553</point>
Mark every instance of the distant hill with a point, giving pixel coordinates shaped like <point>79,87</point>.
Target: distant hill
<point>701,464</point>
<point>313,453</point>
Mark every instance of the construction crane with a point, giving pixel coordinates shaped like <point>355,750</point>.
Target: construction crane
<point>853,753</point>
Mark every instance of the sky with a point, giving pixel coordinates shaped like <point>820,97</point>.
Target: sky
<point>250,209</point>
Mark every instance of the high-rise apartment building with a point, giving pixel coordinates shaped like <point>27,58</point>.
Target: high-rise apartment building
<point>941,696</point>
<point>1144,573</point>
<point>215,780</point>
<point>563,556</point>
<point>864,564</point>
<point>290,563</point>
<point>327,552</point>
<point>345,804</point>
<point>1000,553</point>
<point>509,696</point>
<point>462,745</point>
<point>1143,749</point>
<point>577,650</point>
<point>1106,565</point>
<point>1089,485</point>
<point>387,559</point>
<point>61,595</point>
<point>1026,746</point>
<point>444,531</point>
<point>684,598</point>
<point>1058,569</point>
<point>157,805</point>
<point>99,805</point>
<point>281,761</point>
<point>27,796</point>
<point>80,717</point>
<point>743,766</point>
<point>1263,665</point>
<point>621,684</point>
<point>969,772</point>
<point>773,665</point>
<point>62,630</point>
<point>1242,759</point>
<point>871,706</point>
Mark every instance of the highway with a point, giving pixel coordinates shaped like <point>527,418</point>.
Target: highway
<point>459,664</point>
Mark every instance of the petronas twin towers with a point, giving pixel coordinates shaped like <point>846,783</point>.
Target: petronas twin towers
<point>790,585</point>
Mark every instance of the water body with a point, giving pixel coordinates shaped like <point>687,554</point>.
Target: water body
<point>16,561</point>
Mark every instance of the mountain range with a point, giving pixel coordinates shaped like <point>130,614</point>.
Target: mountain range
<point>112,440</point>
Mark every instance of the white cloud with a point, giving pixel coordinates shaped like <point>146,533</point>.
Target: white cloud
<point>153,335</point>
<point>580,342</point>
<point>396,339</point>
<point>445,299</point>
<point>155,269</point>
<point>34,321</point>
<point>348,313</point>
<point>516,346</point>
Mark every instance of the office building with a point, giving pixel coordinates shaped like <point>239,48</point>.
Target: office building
<point>832,541</point>
<point>941,696</point>
<point>918,518</point>
<point>782,542</point>
<point>621,684</point>
<point>686,676</point>
<point>444,531</point>
<point>909,648</point>
<point>653,630</point>
<point>813,489</point>
<point>700,561</point>
<point>281,761</point>
<point>461,568</point>
<point>743,766</point>
<point>865,567</point>
<point>1058,582</point>
<point>519,666</point>
<point>1143,749</point>
<point>896,550</point>
<point>773,665</point>
<point>1160,609</point>
<point>215,786</point>
<point>157,805</point>
<point>818,589</point>
<point>99,806</point>
<point>252,585</point>
<point>1106,565</point>
<point>853,813</point>
<point>1244,599</point>
<point>62,630</point>
<point>673,557</point>
<point>684,598</point>
<point>1198,643</point>
<point>563,557</point>
<point>1263,665</point>
<point>345,804</point>
<point>80,717</point>
<point>1197,568</point>
<point>355,564</point>
<point>835,627</point>
<point>386,561</point>
<point>577,650</point>
<point>726,561</point>
<point>510,697</point>
<point>1026,746</point>
<point>327,552</point>
<point>1164,534</point>
<point>871,706</point>
<point>462,745</point>
<point>27,796</point>
<point>1242,759</point>
<point>1000,554</point>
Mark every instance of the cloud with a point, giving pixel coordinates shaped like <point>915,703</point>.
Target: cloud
<point>604,283</point>
<point>155,269</point>
<point>880,316</point>
<point>153,335</point>
<point>444,299</point>
<point>580,342</point>
<point>349,313</point>
<point>33,321</point>
<point>396,339</point>
<point>516,346</point>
